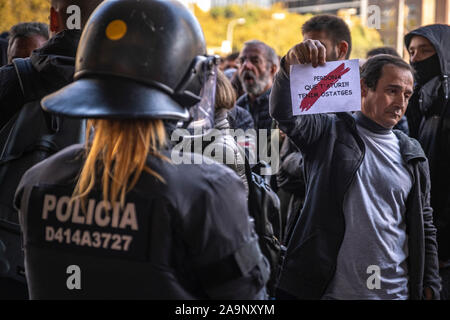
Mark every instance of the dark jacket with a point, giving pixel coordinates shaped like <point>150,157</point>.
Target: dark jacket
<point>332,152</point>
<point>429,123</point>
<point>55,65</point>
<point>402,125</point>
<point>191,237</point>
<point>259,110</point>
<point>291,180</point>
<point>29,136</point>
<point>240,118</point>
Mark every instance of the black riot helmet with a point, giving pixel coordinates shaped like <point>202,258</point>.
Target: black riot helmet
<point>136,59</point>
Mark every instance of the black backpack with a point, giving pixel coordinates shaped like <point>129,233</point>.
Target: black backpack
<point>264,207</point>
<point>31,136</point>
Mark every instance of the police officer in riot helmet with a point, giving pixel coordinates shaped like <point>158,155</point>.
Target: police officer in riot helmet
<point>117,218</point>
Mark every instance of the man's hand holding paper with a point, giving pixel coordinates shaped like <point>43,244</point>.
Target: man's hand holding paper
<point>332,87</point>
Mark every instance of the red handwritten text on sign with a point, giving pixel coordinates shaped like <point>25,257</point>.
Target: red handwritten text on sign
<point>327,82</point>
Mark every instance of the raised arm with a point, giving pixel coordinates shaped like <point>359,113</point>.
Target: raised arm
<point>303,130</point>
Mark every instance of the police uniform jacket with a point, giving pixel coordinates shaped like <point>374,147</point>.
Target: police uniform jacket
<point>189,237</point>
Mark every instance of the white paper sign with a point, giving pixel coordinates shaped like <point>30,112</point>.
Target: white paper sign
<point>333,87</point>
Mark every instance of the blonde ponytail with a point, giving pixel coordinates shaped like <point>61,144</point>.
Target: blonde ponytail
<point>118,151</point>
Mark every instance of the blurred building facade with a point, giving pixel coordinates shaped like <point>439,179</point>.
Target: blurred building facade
<point>420,12</point>
<point>319,6</point>
<point>207,4</point>
<point>396,17</point>
<point>261,3</point>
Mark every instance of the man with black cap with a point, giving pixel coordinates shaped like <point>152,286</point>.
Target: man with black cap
<point>117,215</point>
<point>429,122</point>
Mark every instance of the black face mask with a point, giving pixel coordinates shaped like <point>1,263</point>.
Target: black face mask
<point>427,69</point>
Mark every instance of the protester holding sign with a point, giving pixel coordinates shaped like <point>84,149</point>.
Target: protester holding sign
<point>352,240</point>
<point>429,119</point>
<point>333,34</point>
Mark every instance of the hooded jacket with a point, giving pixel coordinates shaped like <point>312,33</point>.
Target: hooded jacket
<point>291,180</point>
<point>429,123</point>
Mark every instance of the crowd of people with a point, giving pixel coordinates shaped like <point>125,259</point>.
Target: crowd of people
<point>87,120</point>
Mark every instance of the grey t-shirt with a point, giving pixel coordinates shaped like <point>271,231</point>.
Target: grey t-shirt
<point>375,231</point>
